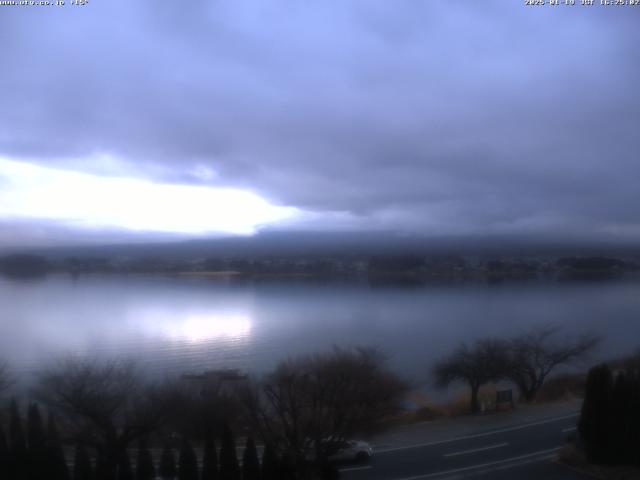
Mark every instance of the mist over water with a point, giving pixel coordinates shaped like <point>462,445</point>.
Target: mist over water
<point>174,325</point>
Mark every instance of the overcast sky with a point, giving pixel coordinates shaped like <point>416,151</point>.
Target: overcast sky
<point>123,120</point>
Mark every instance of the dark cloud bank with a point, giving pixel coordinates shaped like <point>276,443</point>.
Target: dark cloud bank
<point>436,118</point>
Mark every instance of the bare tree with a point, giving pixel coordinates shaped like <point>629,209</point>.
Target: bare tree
<point>202,404</point>
<point>535,354</point>
<point>107,404</point>
<point>309,405</point>
<point>481,362</point>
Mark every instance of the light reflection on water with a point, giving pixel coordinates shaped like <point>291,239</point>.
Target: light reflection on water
<point>172,325</point>
<point>197,328</point>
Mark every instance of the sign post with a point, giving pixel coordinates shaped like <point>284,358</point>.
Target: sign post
<point>504,396</point>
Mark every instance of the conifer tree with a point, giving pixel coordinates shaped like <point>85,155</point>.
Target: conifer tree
<point>37,445</point>
<point>270,464</point>
<point>18,454</point>
<point>634,420</point>
<point>125,472</point>
<point>621,413</point>
<point>145,470</point>
<point>56,462</point>
<point>329,471</point>
<point>250,463</point>
<point>187,462</point>
<point>229,468</point>
<point>210,457</point>
<point>287,467</point>
<point>168,468</point>
<point>102,470</point>
<point>35,429</point>
<point>82,469</point>
<point>4,455</point>
<point>596,416</point>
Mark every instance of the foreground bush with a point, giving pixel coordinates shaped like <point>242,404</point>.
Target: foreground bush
<point>609,423</point>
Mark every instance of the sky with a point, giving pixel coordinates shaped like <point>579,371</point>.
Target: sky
<point>156,119</point>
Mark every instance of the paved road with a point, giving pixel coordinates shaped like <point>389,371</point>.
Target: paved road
<point>522,451</point>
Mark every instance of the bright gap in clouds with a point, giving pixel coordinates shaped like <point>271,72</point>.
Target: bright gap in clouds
<point>29,191</point>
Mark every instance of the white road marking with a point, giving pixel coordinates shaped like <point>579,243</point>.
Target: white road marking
<point>481,449</point>
<point>493,469</point>
<point>542,454</point>
<point>476,435</point>
<point>570,429</point>
<point>353,469</point>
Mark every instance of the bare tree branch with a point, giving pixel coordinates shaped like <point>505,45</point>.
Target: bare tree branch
<point>535,354</point>
<point>107,403</point>
<point>309,405</point>
<point>477,364</point>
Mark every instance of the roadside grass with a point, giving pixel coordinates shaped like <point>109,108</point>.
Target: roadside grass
<point>560,388</point>
<point>568,386</point>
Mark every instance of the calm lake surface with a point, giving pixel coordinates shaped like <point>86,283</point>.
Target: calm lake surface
<point>173,325</point>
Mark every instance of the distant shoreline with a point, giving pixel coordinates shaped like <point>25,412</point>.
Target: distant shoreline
<point>377,280</point>
<point>403,269</point>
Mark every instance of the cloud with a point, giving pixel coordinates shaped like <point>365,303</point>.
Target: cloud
<point>467,117</point>
<point>89,201</point>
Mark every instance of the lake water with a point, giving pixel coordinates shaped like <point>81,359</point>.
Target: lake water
<point>171,324</point>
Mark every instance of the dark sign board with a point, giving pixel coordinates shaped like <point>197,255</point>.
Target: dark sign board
<point>504,396</point>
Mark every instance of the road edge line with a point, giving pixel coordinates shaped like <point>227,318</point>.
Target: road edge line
<point>542,454</point>
<point>474,450</point>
